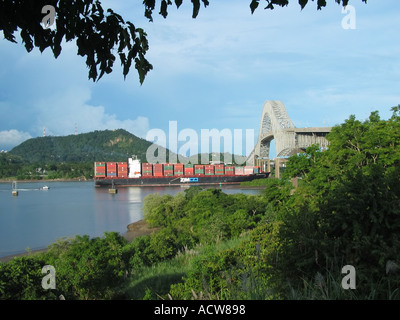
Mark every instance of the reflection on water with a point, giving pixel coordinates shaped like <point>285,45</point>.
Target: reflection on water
<point>36,218</point>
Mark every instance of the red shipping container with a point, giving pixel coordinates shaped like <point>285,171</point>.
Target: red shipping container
<point>178,169</point>
<point>147,168</point>
<point>147,174</point>
<point>122,169</point>
<point>111,168</point>
<point>157,171</point>
<point>189,171</point>
<point>100,164</point>
<point>147,165</point>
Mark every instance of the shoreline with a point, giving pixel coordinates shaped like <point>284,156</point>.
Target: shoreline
<point>134,230</point>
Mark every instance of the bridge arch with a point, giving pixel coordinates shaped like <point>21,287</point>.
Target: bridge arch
<point>275,124</point>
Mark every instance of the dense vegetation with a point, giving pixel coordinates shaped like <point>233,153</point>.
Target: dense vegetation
<point>284,243</point>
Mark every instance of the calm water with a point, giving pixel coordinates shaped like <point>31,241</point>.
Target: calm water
<point>36,218</point>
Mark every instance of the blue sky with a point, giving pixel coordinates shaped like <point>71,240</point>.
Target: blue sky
<point>215,71</point>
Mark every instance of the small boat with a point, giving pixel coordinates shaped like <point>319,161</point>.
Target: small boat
<point>45,188</point>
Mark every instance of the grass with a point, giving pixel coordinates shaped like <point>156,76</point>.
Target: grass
<point>154,282</point>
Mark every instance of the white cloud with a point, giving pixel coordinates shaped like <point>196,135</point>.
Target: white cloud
<point>11,138</point>
<point>60,112</point>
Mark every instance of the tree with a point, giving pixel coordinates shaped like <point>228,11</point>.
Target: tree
<point>100,34</point>
<point>20,279</point>
<point>348,212</point>
<point>89,268</point>
<point>96,32</point>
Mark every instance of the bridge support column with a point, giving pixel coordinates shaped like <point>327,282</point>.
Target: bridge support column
<point>264,164</point>
<point>279,162</point>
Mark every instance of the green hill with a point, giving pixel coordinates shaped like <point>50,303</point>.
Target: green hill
<point>107,145</point>
<point>72,157</point>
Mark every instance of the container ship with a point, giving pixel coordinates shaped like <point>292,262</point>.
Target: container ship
<point>136,174</point>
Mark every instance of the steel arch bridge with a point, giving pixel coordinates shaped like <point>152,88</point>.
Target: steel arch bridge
<point>275,124</point>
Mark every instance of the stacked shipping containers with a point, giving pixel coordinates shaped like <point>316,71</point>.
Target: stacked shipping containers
<point>189,170</point>
<point>198,169</point>
<point>147,170</point>
<point>230,170</point>
<point>209,170</point>
<point>219,169</point>
<point>168,170</point>
<point>112,169</point>
<point>158,170</point>
<point>178,169</point>
<point>99,169</point>
<point>122,169</point>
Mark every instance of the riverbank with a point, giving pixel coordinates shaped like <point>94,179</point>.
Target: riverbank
<point>135,229</point>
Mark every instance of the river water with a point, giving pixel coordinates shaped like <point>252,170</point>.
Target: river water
<point>36,218</point>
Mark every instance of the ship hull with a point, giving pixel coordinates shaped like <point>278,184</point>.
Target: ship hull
<point>178,181</point>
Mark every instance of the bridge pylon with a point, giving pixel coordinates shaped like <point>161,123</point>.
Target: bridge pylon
<point>275,124</point>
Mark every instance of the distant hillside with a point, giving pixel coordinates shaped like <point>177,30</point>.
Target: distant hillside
<point>107,145</point>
